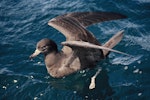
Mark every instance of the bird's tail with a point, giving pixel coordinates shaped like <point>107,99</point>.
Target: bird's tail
<point>113,42</point>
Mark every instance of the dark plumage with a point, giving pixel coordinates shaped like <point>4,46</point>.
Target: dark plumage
<point>74,57</point>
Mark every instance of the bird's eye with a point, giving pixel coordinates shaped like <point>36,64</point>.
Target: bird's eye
<point>44,47</point>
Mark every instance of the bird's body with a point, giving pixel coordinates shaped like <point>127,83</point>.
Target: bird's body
<point>61,64</point>
<point>75,57</point>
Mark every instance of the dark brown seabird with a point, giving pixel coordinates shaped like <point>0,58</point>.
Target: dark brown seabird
<point>81,49</point>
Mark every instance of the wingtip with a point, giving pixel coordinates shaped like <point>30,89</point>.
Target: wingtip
<point>120,16</point>
<point>123,16</point>
<point>120,32</point>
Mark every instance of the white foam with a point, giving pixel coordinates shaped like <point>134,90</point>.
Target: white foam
<point>127,84</point>
<point>39,62</point>
<point>139,62</point>
<point>74,92</point>
<point>140,72</point>
<point>126,67</point>
<point>35,98</point>
<point>136,71</point>
<point>41,94</point>
<point>82,71</point>
<point>125,60</point>
<point>31,77</point>
<point>15,81</point>
<point>86,96</point>
<point>4,87</point>
<point>139,94</point>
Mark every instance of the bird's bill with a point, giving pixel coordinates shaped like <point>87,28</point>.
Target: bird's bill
<point>36,52</point>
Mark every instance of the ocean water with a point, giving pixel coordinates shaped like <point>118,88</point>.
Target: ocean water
<point>24,22</point>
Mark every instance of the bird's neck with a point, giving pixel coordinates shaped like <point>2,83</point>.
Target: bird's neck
<point>51,58</point>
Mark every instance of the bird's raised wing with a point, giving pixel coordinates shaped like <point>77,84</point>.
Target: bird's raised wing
<point>72,25</point>
<point>89,18</point>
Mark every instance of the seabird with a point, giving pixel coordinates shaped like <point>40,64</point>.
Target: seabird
<point>81,49</point>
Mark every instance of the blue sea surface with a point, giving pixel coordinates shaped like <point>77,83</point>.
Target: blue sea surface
<point>24,22</point>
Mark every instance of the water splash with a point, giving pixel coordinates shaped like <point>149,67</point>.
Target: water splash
<point>125,60</point>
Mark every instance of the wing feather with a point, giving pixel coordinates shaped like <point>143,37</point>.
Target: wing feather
<point>72,29</point>
<point>72,25</point>
<point>89,18</point>
<point>88,45</point>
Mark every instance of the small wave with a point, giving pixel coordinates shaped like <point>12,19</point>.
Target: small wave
<point>143,1</point>
<point>128,24</point>
<point>143,41</point>
<point>125,60</point>
<point>123,84</point>
<point>5,70</point>
<point>39,63</point>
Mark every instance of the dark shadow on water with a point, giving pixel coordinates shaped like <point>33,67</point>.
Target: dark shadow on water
<point>80,82</point>
<point>101,91</point>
